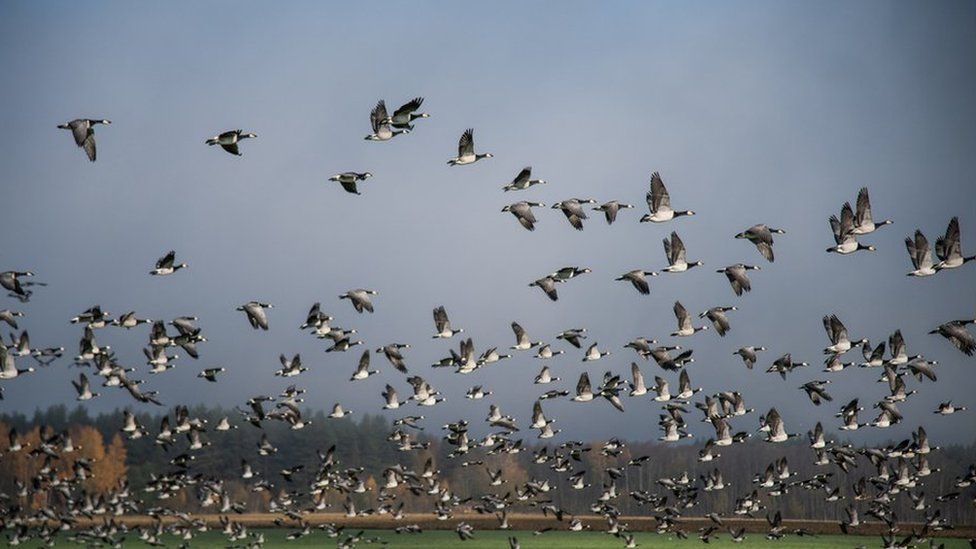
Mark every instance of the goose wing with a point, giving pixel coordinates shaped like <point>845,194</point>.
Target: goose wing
<point>863,215</point>
<point>658,197</point>
<point>378,116</point>
<point>684,319</point>
<point>466,143</point>
<point>408,107</point>
<point>583,385</point>
<point>523,176</point>
<point>441,321</point>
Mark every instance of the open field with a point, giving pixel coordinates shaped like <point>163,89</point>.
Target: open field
<point>563,539</point>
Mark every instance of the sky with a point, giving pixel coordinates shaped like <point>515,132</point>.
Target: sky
<point>760,112</point>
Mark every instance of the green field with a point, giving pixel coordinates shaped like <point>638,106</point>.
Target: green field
<point>499,539</point>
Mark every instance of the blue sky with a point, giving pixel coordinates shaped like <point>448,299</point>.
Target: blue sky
<point>753,112</point>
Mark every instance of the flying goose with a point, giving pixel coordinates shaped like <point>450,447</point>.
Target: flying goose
<point>360,299</point>
<point>637,387</point>
<point>338,412</point>
<point>659,203</point>
<point>403,116</point>
<point>379,121</point>
<point>784,365</point>
<point>443,325</point>
<point>573,210</point>
<point>573,336</point>
<point>873,358</point>
<point>762,236</point>
<point>816,392</point>
<point>776,431</point>
<point>477,393</point>
<point>863,223</point>
<point>393,354</point>
<point>466,154</point>
<point>167,265</point>
<point>662,388</point>
<point>83,130</point>
<point>610,210</point>
<point>947,408</point>
<point>837,332</point>
<point>663,357</point>
<point>594,353</point>
<point>229,140</point>
<point>920,254</point>
<point>674,249</point>
<point>523,212</point>
<point>129,320</point>
<point>737,277</point>
<point>390,395</point>
<point>548,285</point>
<point>948,248</point>
<point>641,346</point>
<point>545,376</point>
<point>348,180</point>
<point>8,316</point>
<point>491,356</point>
<point>290,367</point>
<point>957,334</point>
<point>10,281</point>
<point>748,355</point>
<point>843,230</point>
<point>719,319</point>
<point>545,352</point>
<point>638,277</point>
<point>523,181</point>
<point>566,273</point>
<point>255,313</point>
<point>685,327</point>
<point>584,391</point>
<point>522,341</point>
<point>210,374</point>
<point>84,388</point>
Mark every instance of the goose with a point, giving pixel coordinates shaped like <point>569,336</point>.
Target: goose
<point>545,376</point>
<point>719,319</point>
<point>167,265</point>
<point>360,299</point>
<point>637,387</point>
<point>406,113</point>
<point>522,341</point>
<point>10,281</point>
<point>737,277</point>
<point>83,130</point>
<point>638,277</point>
<point>229,140</point>
<point>685,327</point>
<point>379,121</point>
<point>466,154</point>
<point>921,367</point>
<point>548,285</point>
<point>844,238</point>
<point>947,408</point>
<point>129,320</point>
<point>523,181</point>
<point>642,346</point>
<point>593,353</point>
<point>761,236</point>
<point>863,223</point>
<point>816,392</point>
<point>873,358</point>
<point>573,336</point>
<point>921,255</point>
<point>837,332</point>
<point>390,395</point>
<point>349,180</point>
<point>443,325</point>
<point>659,203</point>
<point>393,354</point>
<point>784,365</point>
<point>662,388</point>
<point>545,352</point>
<point>343,344</point>
<point>93,318</point>
<point>899,354</point>
<point>523,213</point>
<point>610,210</point>
<point>663,357</point>
<point>685,390</point>
<point>584,391</point>
<point>748,355</point>
<point>674,249</point>
<point>10,317</point>
<point>777,429</point>
<point>567,273</point>
<point>477,393</point>
<point>255,313</point>
<point>210,374</point>
<point>573,210</point>
<point>957,334</point>
<point>491,356</point>
<point>83,387</point>
<point>338,412</point>
<point>834,364</point>
<point>947,248</point>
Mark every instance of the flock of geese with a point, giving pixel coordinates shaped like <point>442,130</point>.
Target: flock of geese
<point>900,469</point>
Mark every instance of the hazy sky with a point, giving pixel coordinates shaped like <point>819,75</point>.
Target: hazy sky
<point>763,112</point>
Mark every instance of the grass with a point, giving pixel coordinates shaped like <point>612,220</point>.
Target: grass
<point>499,539</point>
